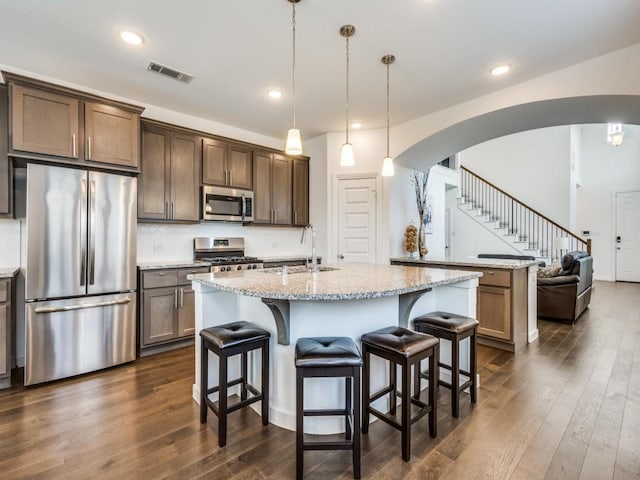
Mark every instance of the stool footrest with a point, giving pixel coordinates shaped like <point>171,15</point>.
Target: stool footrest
<point>326,413</point>
<point>337,445</point>
<point>382,393</point>
<point>244,403</point>
<point>232,383</point>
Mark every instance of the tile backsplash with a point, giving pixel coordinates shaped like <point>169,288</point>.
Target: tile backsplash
<point>9,243</point>
<point>159,242</point>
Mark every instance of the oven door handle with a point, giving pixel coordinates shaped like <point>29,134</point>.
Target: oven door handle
<point>244,206</point>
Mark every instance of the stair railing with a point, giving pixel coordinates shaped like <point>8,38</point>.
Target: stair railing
<point>529,227</point>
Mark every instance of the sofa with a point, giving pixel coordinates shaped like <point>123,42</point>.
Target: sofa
<point>566,292</point>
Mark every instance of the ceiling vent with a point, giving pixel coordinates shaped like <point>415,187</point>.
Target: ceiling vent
<point>170,72</point>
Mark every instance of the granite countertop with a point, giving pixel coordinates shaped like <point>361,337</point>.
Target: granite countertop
<point>172,264</point>
<point>470,262</point>
<point>8,272</point>
<point>287,258</point>
<point>345,282</point>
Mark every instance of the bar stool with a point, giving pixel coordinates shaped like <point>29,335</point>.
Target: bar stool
<point>405,348</point>
<point>329,357</point>
<point>454,328</point>
<point>226,341</point>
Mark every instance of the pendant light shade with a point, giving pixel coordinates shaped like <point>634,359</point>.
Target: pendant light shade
<point>387,163</point>
<point>293,145</point>
<point>294,142</point>
<point>387,167</point>
<point>347,158</point>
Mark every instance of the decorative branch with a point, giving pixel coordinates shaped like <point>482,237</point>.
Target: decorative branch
<point>419,181</point>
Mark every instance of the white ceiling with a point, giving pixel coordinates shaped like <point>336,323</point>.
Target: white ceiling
<point>238,49</point>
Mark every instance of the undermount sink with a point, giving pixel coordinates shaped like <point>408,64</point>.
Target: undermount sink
<point>297,269</point>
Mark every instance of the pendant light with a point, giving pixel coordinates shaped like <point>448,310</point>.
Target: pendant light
<point>387,164</point>
<point>347,158</point>
<point>294,142</point>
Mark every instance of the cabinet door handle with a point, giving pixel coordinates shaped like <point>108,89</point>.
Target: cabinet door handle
<point>173,210</point>
<point>181,297</point>
<point>275,216</point>
<point>295,217</point>
<point>226,177</point>
<point>73,146</point>
<point>175,298</point>
<point>88,148</point>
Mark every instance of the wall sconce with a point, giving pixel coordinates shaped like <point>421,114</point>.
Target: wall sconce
<point>615,134</point>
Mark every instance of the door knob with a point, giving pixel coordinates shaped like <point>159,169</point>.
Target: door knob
<point>340,257</point>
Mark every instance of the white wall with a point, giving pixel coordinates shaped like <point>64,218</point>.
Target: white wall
<point>9,243</point>
<point>532,166</point>
<point>604,171</point>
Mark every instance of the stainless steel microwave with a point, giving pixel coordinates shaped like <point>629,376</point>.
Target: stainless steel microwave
<point>227,204</point>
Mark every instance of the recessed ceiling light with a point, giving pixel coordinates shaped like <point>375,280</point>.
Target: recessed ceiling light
<point>500,70</point>
<point>273,93</point>
<point>132,38</point>
<point>356,125</point>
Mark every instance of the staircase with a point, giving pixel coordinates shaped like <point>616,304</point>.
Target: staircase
<point>518,225</point>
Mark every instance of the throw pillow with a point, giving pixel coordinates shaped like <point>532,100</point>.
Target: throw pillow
<point>548,272</point>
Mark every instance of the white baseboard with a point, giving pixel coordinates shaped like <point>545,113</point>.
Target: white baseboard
<point>534,335</point>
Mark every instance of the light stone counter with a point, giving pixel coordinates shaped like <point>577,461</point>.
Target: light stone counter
<point>469,262</point>
<point>172,264</point>
<point>8,272</point>
<point>350,301</point>
<point>343,282</point>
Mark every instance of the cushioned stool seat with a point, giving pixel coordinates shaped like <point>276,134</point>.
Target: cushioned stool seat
<point>404,348</point>
<point>226,341</point>
<point>329,357</point>
<point>454,328</point>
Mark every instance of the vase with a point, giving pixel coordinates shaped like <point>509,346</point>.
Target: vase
<point>422,247</point>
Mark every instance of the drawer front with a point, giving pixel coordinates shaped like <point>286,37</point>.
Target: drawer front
<point>496,278</point>
<point>162,278</point>
<point>4,291</point>
<point>182,274</point>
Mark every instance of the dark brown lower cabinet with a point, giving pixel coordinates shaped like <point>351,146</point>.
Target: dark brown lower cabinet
<point>167,309</point>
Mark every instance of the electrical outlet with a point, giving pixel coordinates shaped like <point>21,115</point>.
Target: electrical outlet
<point>157,247</point>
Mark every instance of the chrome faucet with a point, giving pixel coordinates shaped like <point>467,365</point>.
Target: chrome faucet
<point>314,254</point>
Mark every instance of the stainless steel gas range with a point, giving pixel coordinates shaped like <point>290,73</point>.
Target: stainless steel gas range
<point>226,254</point>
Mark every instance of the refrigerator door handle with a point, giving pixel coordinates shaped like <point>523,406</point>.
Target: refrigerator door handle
<point>122,301</point>
<point>92,233</point>
<point>83,234</point>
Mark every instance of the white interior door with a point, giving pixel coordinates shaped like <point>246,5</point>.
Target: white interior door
<point>357,220</point>
<point>628,237</point>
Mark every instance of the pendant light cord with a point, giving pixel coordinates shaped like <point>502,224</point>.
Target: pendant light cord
<point>293,24</point>
<point>347,96</point>
<point>387,109</point>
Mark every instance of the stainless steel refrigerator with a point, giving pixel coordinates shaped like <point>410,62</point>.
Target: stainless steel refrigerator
<point>80,276</point>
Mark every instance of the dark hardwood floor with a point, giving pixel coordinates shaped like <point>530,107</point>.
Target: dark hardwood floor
<point>567,406</point>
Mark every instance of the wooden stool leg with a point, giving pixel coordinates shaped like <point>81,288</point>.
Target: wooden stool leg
<point>473,367</point>
<point>204,381</point>
<point>265,383</point>
<point>433,392</point>
<point>245,377</point>
<point>299,422</point>
<point>393,383</point>
<point>356,423</point>
<point>222,401</point>
<point>406,412</point>
<point>366,387</point>
<point>348,407</point>
<point>416,380</point>
<point>455,377</point>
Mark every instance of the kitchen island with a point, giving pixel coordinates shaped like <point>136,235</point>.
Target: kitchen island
<point>506,308</point>
<point>347,300</point>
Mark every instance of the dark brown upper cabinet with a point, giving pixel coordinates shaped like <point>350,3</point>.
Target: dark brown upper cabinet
<point>272,188</point>
<point>169,186</point>
<point>112,135</point>
<point>300,191</point>
<point>6,175</point>
<point>226,164</point>
<point>70,126</point>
